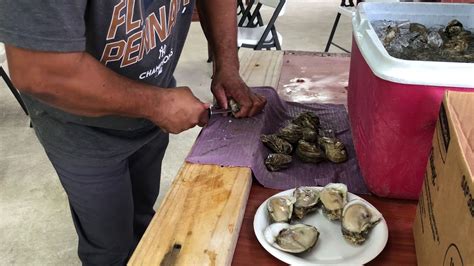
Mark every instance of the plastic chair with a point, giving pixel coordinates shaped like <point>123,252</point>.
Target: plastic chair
<point>7,80</point>
<point>261,36</point>
<point>347,10</point>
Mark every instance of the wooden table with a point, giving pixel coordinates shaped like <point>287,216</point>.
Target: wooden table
<point>199,220</point>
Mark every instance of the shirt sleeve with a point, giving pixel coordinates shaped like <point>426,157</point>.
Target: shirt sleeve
<point>46,25</point>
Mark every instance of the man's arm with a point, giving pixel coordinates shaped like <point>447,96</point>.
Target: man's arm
<point>219,22</point>
<point>79,84</point>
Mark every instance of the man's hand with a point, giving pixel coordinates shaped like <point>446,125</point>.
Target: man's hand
<point>177,109</point>
<point>228,84</point>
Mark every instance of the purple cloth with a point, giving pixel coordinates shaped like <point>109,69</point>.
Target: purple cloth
<point>228,141</point>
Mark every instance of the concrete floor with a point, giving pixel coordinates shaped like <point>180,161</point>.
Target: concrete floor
<point>35,223</point>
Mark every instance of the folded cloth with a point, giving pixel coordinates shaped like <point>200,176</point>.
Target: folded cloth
<point>228,141</point>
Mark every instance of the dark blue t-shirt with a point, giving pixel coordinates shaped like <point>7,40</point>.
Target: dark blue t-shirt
<point>139,39</point>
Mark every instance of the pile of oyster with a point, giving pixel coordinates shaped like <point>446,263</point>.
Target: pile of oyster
<point>414,41</point>
<point>357,217</point>
<point>304,137</point>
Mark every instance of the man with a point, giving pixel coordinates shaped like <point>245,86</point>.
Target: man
<point>97,78</point>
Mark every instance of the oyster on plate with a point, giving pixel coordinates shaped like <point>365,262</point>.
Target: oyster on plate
<point>307,119</point>
<point>334,149</point>
<point>358,218</point>
<point>333,198</point>
<point>291,133</point>
<point>307,199</point>
<point>280,209</point>
<point>277,161</point>
<point>309,152</point>
<point>276,144</point>
<point>309,135</point>
<point>296,238</point>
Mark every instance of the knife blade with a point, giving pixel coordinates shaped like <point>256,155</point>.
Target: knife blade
<point>213,110</point>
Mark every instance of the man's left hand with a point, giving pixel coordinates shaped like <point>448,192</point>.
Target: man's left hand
<point>229,84</point>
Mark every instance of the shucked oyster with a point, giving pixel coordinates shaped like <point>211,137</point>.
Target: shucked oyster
<point>307,119</point>
<point>358,218</point>
<point>334,149</point>
<point>309,152</point>
<point>333,198</point>
<point>307,199</point>
<point>276,144</point>
<point>280,209</point>
<point>292,133</point>
<point>295,238</point>
<point>277,161</point>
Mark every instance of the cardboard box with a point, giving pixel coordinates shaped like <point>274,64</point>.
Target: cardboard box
<point>444,223</point>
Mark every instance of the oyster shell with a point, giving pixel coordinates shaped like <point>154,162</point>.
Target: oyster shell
<point>276,144</point>
<point>309,135</point>
<point>291,133</point>
<point>333,198</point>
<point>334,149</point>
<point>307,199</point>
<point>277,161</point>
<point>295,238</point>
<point>309,152</point>
<point>358,218</point>
<point>234,106</point>
<point>280,209</point>
<point>307,119</point>
<point>453,28</point>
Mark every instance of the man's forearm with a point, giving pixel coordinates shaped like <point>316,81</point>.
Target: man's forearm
<point>77,83</point>
<point>220,26</point>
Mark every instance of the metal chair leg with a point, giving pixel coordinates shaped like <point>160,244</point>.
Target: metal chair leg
<point>13,89</point>
<point>334,27</point>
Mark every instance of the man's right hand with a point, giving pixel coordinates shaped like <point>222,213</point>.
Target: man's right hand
<point>177,109</point>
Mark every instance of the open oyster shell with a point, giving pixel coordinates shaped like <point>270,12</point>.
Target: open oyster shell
<point>358,218</point>
<point>309,152</point>
<point>234,106</point>
<point>277,161</point>
<point>334,149</point>
<point>307,199</point>
<point>333,198</point>
<point>276,144</point>
<point>280,209</point>
<point>307,120</point>
<point>291,133</point>
<point>295,238</point>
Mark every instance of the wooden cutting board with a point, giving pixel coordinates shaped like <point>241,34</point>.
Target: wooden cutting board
<point>199,220</point>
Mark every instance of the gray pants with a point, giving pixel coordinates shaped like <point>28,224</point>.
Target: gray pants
<point>112,201</point>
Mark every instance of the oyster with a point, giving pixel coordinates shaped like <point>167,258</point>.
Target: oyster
<point>334,149</point>
<point>280,209</point>
<point>277,161</point>
<point>291,133</point>
<point>307,119</point>
<point>309,152</point>
<point>453,28</point>
<point>333,198</point>
<point>295,238</point>
<point>234,106</point>
<point>391,33</point>
<point>358,218</point>
<point>307,199</point>
<point>309,135</point>
<point>276,144</point>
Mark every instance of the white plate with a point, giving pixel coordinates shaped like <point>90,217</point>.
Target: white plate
<point>331,247</point>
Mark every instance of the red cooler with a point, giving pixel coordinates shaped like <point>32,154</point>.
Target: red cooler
<point>394,103</point>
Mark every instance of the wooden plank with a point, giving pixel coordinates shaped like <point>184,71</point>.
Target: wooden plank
<point>260,68</point>
<point>199,220</point>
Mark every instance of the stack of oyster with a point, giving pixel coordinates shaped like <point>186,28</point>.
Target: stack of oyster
<point>414,41</point>
<point>304,137</point>
<point>357,218</point>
